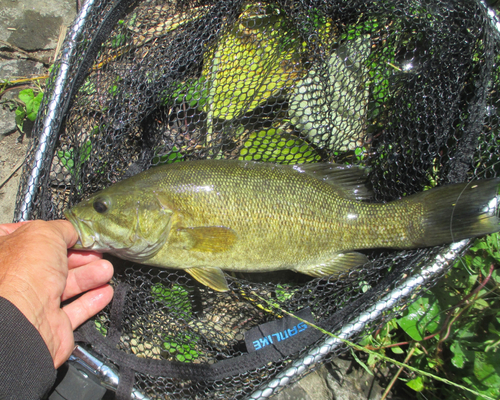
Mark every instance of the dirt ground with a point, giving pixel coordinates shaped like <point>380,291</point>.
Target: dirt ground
<point>12,154</point>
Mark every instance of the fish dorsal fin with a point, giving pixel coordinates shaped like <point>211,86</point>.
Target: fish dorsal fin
<point>212,277</point>
<point>349,180</point>
<point>212,239</point>
<point>340,262</point>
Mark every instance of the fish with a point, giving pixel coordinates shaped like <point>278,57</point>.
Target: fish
<point>210,216</point>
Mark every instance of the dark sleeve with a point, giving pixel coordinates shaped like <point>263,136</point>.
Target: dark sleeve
<point>26,367</point>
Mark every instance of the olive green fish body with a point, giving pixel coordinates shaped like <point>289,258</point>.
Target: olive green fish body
<point>204,216</point>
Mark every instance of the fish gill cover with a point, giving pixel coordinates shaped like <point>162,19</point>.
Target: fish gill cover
<point>406,89</point>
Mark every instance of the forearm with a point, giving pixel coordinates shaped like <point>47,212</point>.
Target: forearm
<point>26,366</point>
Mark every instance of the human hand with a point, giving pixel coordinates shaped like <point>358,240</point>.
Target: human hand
<point>37,273</point>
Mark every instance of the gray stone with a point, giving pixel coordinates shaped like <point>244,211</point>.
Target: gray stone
<point>348,381</point>
<point>38,22</point>
<point>34,31</point>
<point>338,380</point>
<point>12,69</point>
<point>7,122</point>
<point>312,387</point>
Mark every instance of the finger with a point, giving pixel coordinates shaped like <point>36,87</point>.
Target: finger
<point>78,258</point>
<point>87,277</point>
<point>61,229</point>
<point>66,230</point>
<point>6,229</point>
<point>88,305</point>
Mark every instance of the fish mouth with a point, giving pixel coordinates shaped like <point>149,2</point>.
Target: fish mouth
<point>84,242</point>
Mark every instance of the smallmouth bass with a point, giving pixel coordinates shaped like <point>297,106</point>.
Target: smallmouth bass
<point>213,215</point>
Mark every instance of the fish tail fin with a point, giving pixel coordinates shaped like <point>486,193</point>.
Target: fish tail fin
<point>460,211</point>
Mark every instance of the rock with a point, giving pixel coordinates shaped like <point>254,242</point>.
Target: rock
<point>312,387</point>
<point>32,24</point>
<point>7,123</point>
<point>7,117</point>
<point>339,380</point>
<point>34,31</point>
<point>11,69</point>
<point>349,383</point>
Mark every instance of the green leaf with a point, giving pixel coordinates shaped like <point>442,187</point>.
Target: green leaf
<point>20,115</point>
<point>373,359</point>
<point>416,384</point>
<point>35,106</point>
<point>422,316</point>
<point>361,363</point>
<point>397,350</point>
<point>273,145</point>
<point>171,157</point>
<point>332,111</point>
<point>176,297</point>
<point>85,151</point>
<point>66,158</point>
<point>26,95</point>
<point>487,369</point>
<point>31,105</point>
<point>460,356</point>
<point>180,344</point>
<point>253,62</point>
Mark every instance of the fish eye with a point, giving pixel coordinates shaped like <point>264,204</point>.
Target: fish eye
<point>101,204</point>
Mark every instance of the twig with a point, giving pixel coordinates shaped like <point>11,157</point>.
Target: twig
<point>464,300</point>
<point>446,327</point>
<point>62,34</point>
<point>18,83</point>
<point>24,53</point>
<point>361,348</point>
<point>11,173</point>
<point>395,377</point>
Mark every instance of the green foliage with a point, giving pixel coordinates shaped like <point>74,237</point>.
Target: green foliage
<point>180,344</point>
<point>100,325</point>
<point>70,158</point>
<point>29,108</point>
<point>193,92</point>
<point>171,157</point>
<point>423,317</point>
<point>272,145</point>
<point>121,38</point>
<point>453,330</point>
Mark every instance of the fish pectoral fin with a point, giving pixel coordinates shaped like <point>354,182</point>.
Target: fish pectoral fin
<point>212,239</point>
<point>211,277</point>
<point>341,262</point>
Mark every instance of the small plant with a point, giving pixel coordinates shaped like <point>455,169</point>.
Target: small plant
<point>180,344</point>
<point>452,331</point>
<point>70,160</point>
<point>28,109</point>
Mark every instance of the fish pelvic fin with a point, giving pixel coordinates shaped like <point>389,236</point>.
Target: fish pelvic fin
<point>339,263</point>
<point>210,239</point>
<point>212,277</point>
<point>460,211</point>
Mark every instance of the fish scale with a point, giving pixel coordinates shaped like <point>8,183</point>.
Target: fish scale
<point>213,215</point>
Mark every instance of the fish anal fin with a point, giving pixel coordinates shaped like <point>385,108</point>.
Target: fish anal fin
<point>211,277</point>
<point>212,239</point>
<point>349,180</point>
<point>339,263</point>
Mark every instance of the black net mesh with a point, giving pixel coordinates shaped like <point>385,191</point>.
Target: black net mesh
<point>406,88</point>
